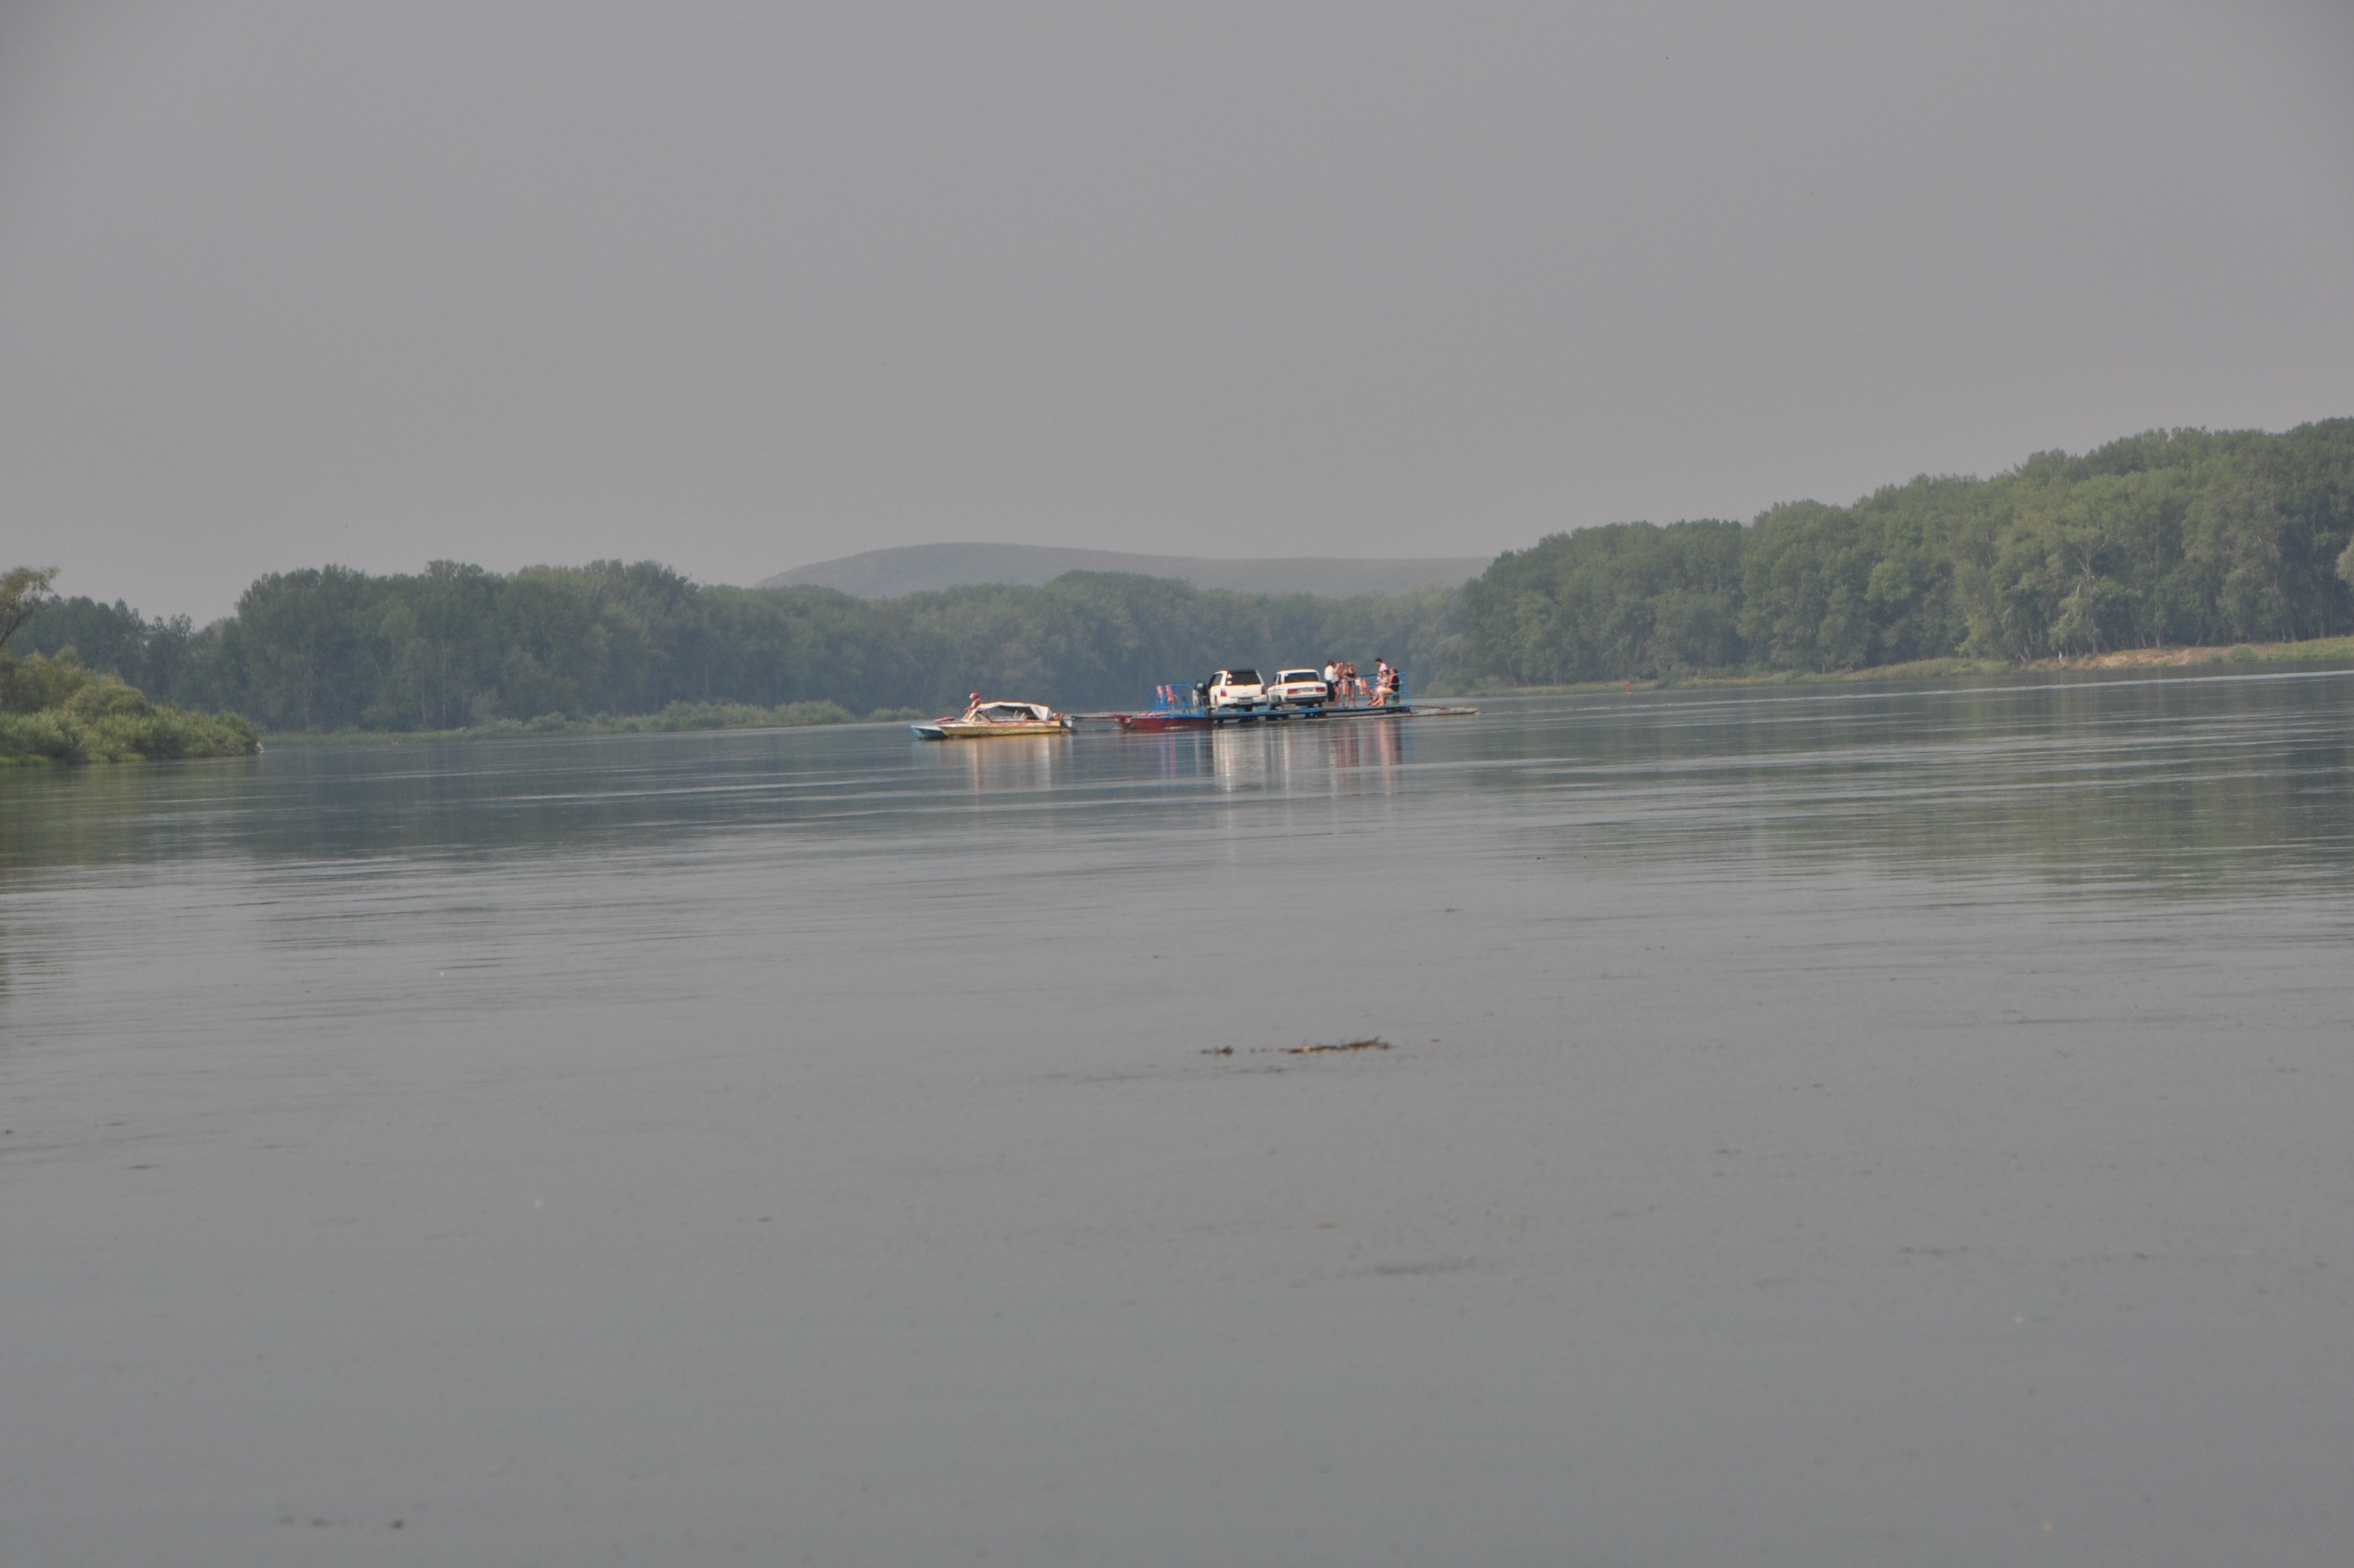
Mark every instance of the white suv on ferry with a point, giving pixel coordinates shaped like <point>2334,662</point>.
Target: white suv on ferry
<point>1232,690</point>
<point>1298,689</point>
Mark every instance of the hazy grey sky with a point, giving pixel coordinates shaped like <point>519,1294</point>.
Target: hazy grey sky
<point>744,286</point>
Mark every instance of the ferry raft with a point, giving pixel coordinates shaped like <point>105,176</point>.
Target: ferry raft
<point>1238,697</point>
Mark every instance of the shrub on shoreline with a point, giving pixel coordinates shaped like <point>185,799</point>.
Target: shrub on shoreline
<point>55,710</point>
<point>678,718</point>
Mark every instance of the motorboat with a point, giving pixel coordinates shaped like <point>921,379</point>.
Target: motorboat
<point>986,721</point>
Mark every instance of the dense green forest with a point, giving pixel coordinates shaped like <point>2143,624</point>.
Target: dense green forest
<point>456,646</point>
<point>2171,537</point>
<point>2182,536</point>
<point>57,709</point>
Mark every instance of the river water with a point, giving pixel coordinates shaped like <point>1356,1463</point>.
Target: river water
<point>1819,1127</point>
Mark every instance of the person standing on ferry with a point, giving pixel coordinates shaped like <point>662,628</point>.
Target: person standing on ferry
<point>1331,681</point>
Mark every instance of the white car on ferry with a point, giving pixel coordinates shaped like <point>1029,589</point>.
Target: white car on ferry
<point>1237,691</point>
<point>1298,689</point>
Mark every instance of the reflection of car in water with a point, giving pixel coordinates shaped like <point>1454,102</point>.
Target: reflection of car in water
<point>1236,691</point>
<point>1297,689</point>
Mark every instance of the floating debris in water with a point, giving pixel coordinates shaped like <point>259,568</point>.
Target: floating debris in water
<point>1435,1265</point>
<point>1310,1050</point>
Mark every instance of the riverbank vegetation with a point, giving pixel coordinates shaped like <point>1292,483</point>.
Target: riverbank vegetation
<point>456,647</point>
<point>676,719</point>
<point>2182,537</point>
<point>2239,659</point>
<point>2172,539</point>
<point>57,709</point>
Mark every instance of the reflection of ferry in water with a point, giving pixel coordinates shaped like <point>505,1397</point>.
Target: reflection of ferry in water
<point>1239,697</point>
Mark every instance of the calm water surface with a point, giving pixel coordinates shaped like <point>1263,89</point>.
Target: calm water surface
<point>1871,1126</point>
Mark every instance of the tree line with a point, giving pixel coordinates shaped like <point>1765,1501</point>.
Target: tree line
<point>2170,537</point>
<point>2181,536</point>
<point>456,646</point>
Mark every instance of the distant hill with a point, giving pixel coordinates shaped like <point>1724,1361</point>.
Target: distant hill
<point>918,568</point>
